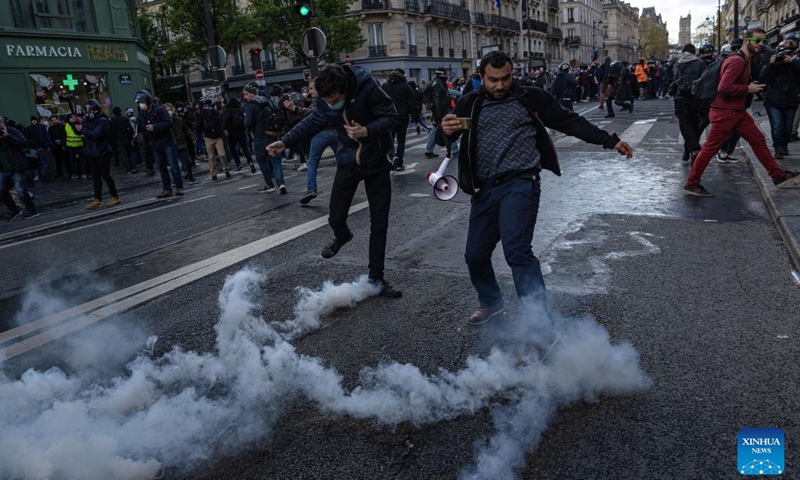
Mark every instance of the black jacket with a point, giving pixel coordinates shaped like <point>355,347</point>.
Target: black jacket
<point>564,86</point>
<point>401,94</point>
<point>96,134</point>
<point>366,104</point>
<point>161,136</point>
<point>783,84</point>
<point>14,145</point>
<point>123,130</point>
<point>546,113</point>
<point>437,94</point>
<point>59,136</point>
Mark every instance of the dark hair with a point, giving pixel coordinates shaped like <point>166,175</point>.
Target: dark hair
<point>400,71</point>
<point>331,80</point>
<point>497,59</point>
<point>117,111</point>
<point>689,48</point>
<point>34,117</point>
<point>751,31</point>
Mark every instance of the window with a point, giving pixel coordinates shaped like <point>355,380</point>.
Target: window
<point>463,40</point>
<point>59,93</point>
<point>428,36</point>
<point>75,15</point>
<point>238,56</point>
<point>410,37</point>
<point>439,37</point>
<point>449,39</point>
<point>375,32</point>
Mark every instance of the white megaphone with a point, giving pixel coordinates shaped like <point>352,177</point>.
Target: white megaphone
<point>445,187</point>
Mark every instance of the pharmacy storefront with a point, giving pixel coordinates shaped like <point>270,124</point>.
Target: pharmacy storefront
<point>47,76</point>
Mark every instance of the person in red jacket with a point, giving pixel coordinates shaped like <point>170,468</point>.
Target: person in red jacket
<point>729,113</point>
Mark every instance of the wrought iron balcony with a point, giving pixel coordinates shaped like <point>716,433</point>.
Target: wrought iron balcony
<point>447,10</point>
<point>441,51</point>
<point>412,5</point>
<point>237,69</point>
<point>480,19</point>
<point>536,25</point>
<point>205,74</point>
<point>269,64</point>
<point>573,41</point>
<point>571,20</point>
<point>504,23</point>
<point>552,4</point>
<point>464,53</point>
<point>556,33</point>
<point>377,51</point>
<point>412,50</point>
<point>429,51</point>
<point>376,4</point>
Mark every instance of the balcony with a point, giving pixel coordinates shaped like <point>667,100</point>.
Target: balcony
<point>376,5</point>
<point>463,53</point>
<point>552,5</point>
<point>429,51</point>
<point>571,20</point>
<point>441,51</point>
<point>377,51</point>
<point>504,23</point>
<point>555,33</point>
<point>573,42</point>
<point>237,69</point>
<point>447,10</point>
<point>536,25</point>
<point>269,64</point>
<point>412,50</point>
<point>412,6</point>
<point>480,19</point>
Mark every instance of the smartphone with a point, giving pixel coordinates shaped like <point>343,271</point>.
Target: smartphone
<point>466,122</point>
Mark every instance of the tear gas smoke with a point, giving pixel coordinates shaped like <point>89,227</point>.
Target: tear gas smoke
<point>186,406</point>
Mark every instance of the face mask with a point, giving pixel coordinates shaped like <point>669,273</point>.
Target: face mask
<point>91,116</point>
<point>170,112</point>
<point>46,124</point>
<point>143,106</point>
<point>337,105</point>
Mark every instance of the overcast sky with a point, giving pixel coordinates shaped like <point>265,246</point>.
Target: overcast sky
<point>672,11</point>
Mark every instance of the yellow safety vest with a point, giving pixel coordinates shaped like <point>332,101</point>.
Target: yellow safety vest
<point>73,139</point>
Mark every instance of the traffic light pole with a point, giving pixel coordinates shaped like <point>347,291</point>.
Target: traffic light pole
<point>313,64</point>
<point>214,60</point>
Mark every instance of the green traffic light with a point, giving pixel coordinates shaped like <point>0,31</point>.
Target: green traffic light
<point>304,10</point>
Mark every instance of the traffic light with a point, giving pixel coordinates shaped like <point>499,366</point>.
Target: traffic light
<point>304,8</point>
<point>255,58</point>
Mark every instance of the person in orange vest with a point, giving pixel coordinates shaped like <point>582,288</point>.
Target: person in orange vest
<point>641,77</point>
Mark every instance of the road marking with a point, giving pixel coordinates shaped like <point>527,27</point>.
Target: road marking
<point>636,132</point>
<point>80,316</point>
<point>249,186</point>
<point>185,202</point>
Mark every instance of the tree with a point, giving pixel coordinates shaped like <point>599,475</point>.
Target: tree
<point>653,39</point>
<point>704,33</point>
<point>279,25</point>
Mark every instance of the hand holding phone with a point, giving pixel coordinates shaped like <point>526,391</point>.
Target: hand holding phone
<point>466,122</point>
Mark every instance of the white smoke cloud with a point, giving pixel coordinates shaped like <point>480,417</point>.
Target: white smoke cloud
<point>183,407</point>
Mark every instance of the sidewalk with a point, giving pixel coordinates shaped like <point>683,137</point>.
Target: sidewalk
<point>783,203</point>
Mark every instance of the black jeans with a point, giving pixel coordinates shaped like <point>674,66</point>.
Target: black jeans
<point>101,170</point>
<point>399,133</point>
<point>689,113</point>
<point>240,139</point>
<point>379,195</point>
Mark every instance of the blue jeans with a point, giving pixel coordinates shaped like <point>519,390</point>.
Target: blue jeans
<point>164,157</point>
<point>269,169</point>
<point>324,139</point>
<point>780,122</point>
<point>505,213</point>
<point>20,182</point>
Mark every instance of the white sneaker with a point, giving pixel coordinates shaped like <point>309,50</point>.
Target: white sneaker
<point>302,168</point>
<point>723,157</point>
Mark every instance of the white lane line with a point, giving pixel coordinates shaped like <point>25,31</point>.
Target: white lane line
<point>249,186</point>
<point>125,299</point>
<point>185,202</point>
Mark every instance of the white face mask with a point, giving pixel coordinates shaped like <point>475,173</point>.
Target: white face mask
<point>142,106</point>
<point>170,112</point>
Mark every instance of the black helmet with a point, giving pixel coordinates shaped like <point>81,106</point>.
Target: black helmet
<point>707,48</point>
<point>564,67</point>
<point>143,96</point>
<point>92,105</point>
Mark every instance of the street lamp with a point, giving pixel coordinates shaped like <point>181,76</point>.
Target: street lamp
<point>596,53</point>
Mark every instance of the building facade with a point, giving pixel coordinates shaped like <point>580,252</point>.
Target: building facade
<point>57,54</point>
<point>685,30</point>
<point>620,30</point>
<point>582,23</point>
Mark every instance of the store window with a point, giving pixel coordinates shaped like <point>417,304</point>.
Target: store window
<point>61,93</point>
<point>73,15</point>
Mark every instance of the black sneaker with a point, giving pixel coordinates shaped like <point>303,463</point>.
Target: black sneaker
<point>252,168</point>
<point>786,177</point>
<point>239,167</point>
<point>610,115</point>
<point>213,177</point>
<point>386,290</point>
<point>693,156</point>
<point>431,154</point>
<point>227,174</point>
<point>697,190</point>
<point>14,216</point>
<point>308,197</point>
<point>333,248</point>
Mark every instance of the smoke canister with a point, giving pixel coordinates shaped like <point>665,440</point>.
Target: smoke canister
<point>796,278</point>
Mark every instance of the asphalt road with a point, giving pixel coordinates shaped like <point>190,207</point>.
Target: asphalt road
<point>699,287</point>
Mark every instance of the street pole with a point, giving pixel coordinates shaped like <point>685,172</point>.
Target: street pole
<point>214,60</point>
<point>735,19</point>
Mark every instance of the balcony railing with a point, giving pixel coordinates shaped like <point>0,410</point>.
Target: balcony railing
<point>441,51</point>
<point>552,4</point>
<point>464,53</point>
<point>205,74</point>
<point>237,69</point>
<point>447,10</point>
<point>536,25</point>
<point>376,4</point>
<point>556,33</point>
<point>573,41</point>
<point>269,64</point>
<point>504,22</point>
<point>377,51</point>
<point>429,51</point>
<point>452,53</point>
<point>571,20</point>
<point>412,5</point>
<point>480,19</point>
<point>412,50</point>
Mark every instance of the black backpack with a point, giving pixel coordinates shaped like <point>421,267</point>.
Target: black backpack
<point>271,118</point>
<point>705,87</point>
<point>236,120</point>
<point>212,122</point>
<point>684,81</point>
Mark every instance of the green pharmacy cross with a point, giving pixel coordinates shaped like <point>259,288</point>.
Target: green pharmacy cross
<point>70,82</point>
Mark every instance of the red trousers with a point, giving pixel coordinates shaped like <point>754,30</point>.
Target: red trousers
<point>723,122</point>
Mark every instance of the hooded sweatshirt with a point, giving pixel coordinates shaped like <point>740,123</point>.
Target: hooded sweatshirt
<point>687,69</point>
<point>401,93</point>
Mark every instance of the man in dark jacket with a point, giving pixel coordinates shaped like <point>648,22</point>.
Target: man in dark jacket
<point>237,133</point>
<point>502,154</point>
<point>265,120</point>
<point>59,137</point>
<point>13,166</point>
<point>364,115</point>
<point>564,86</point>
<point>156,124</point>
<point>96,130</point>
<point>123,137</point>
<point>211,124</point>
<point>39,139</point>
<point>183,138</point>
<point>437,97</point>
<point>188,118</point>
<point>688,109</point>
<point>405,103</point>
<point>782,93</point>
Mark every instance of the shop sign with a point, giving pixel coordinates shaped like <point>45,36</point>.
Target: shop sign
<point>107,53</point>
<point>125,79</point>
<point>42,51</point>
